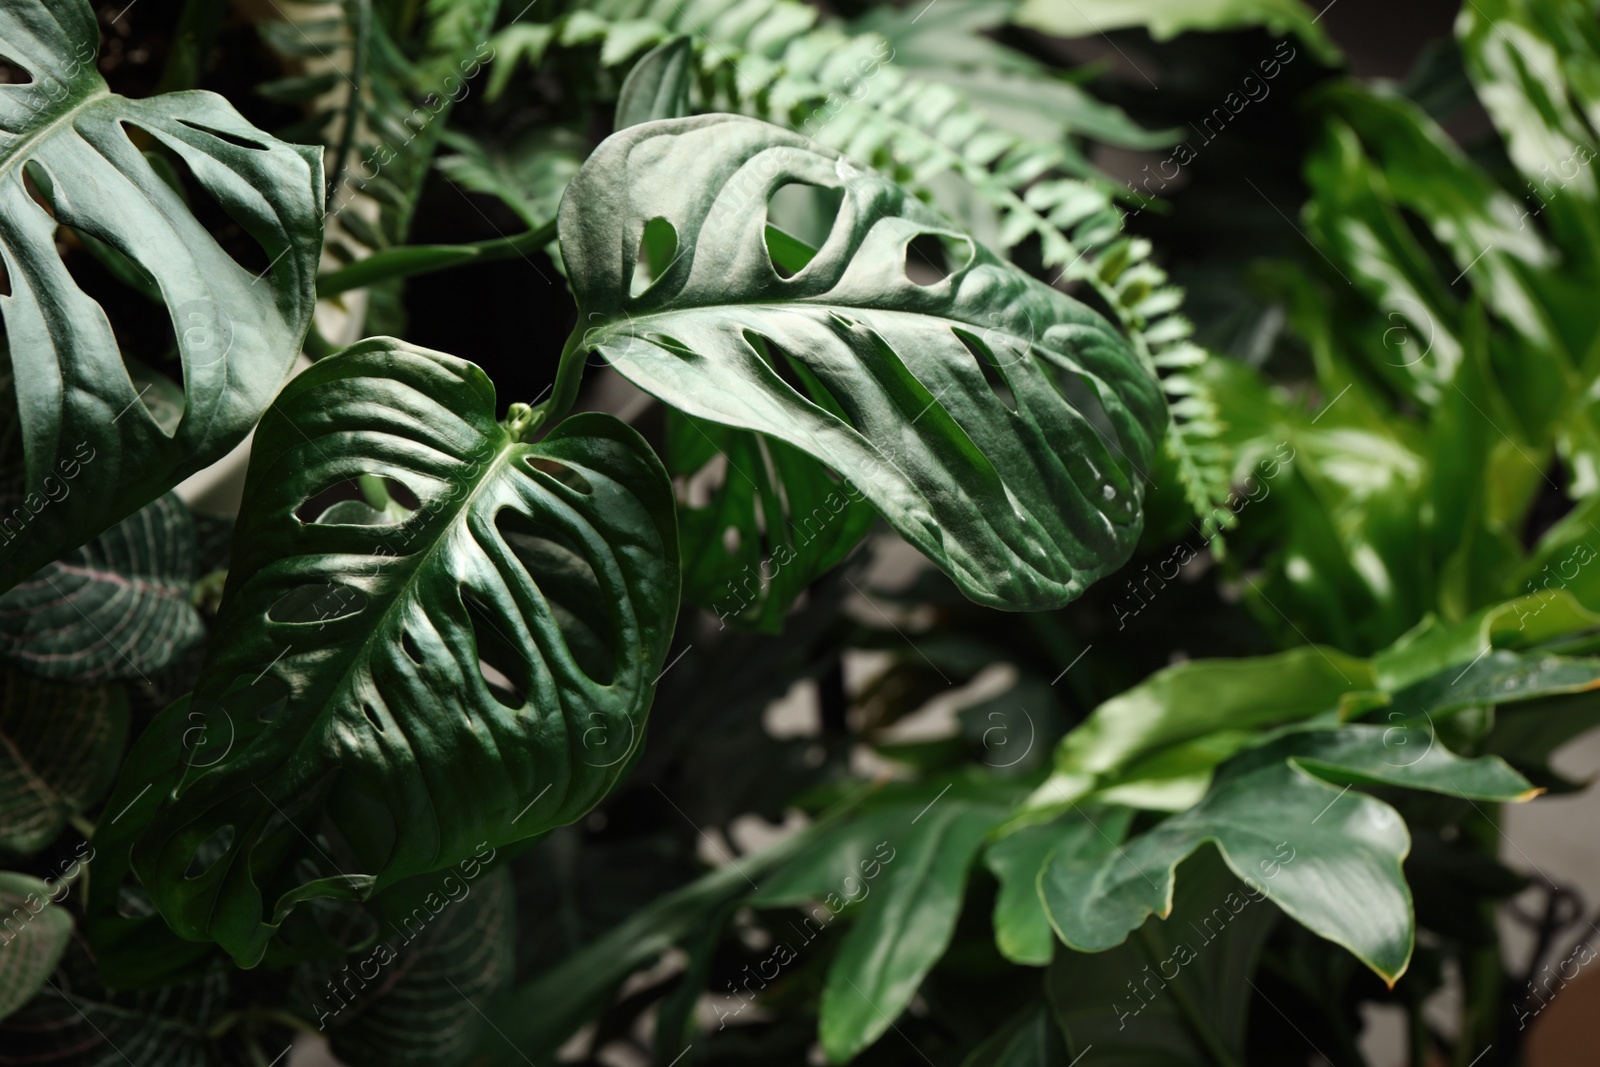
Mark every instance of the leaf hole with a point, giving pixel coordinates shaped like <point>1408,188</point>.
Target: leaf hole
<point>697,490</point>
<point>797,376</point>
<point>409,644</point>
<point>173,169</point>
<point>933,257</point>
<point>807,214</point>
<point>570,585</point>
<point>561,473</point>
<point>209,851</point>
<point>658,250</point>
<point>272,710</point>
<point>731,539</point>
<point>14,72</point>
<point>500,662</point>
<point>223,135</point>
<point>133,901</point>
<point>989,364</point>
<point>318,603</point>
<point>372,716</point>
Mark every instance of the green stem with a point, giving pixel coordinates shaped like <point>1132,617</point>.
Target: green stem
<point>1192,1015</point>
<point>404,261</point>
<point>569,373</point>
<point>352,111</point>
<point>82,825</point>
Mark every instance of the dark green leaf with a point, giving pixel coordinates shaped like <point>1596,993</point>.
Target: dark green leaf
<point>94,454</point>
<point>346,658</point>
<point>998,425</point>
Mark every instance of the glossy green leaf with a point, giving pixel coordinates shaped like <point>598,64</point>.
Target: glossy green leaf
<point>1336,858</point>
<point>1178,995</point>
<point>1211,703</point>
<point>899,871</point>
<point>1021,927</point>
<point>1032,1039</point>
<point>658,85</point>
<point>59,749</point>
<point>119,607</point>
<point>94,454</point>
<point>33,935</point>
<point>1168,18</point>
<point>998,425</point>
<point>346,657</point>
<point>1329,857</point>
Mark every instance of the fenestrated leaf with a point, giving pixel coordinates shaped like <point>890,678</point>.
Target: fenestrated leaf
<point>346,658</point>
<point>59,747</point>
<point>658,85</point>
<point>76,1022</point>
<point>117,607</point>
<point>448,937</point>
<point>237,330</point>
<point>34,936</point>
<point>999,426</point>
<point>1329,857</point>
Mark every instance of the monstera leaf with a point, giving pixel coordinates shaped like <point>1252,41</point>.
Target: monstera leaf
<point>93,453</point>
<point>463,673</point>
<point>1001,427</point>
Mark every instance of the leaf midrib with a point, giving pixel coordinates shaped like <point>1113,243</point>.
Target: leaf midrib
<point>22,149</point>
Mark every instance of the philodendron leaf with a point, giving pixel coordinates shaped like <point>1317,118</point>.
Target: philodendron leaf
<point>474,674</point>
<point>998,425</point>
<point>658,85</point>
<point>1329,857</point>
<point>901,871</point>
<point>59,747</point>
<point>118,607</point>
<point>1178,994</point>
<point>93,453</point>
<point>1021,927</point>
<point>36,933</point>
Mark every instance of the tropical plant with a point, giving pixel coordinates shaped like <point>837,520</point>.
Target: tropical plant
<point>488,729</point>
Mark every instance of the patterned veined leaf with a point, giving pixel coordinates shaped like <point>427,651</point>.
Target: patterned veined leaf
<point>34,932</point>
<point>998,425</point>
<point>446,937</point>
<point>59,747</point>
<point>93,453</point>
<point>78,1022</point>
<point>118,607</point>
<point>474,671</point>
